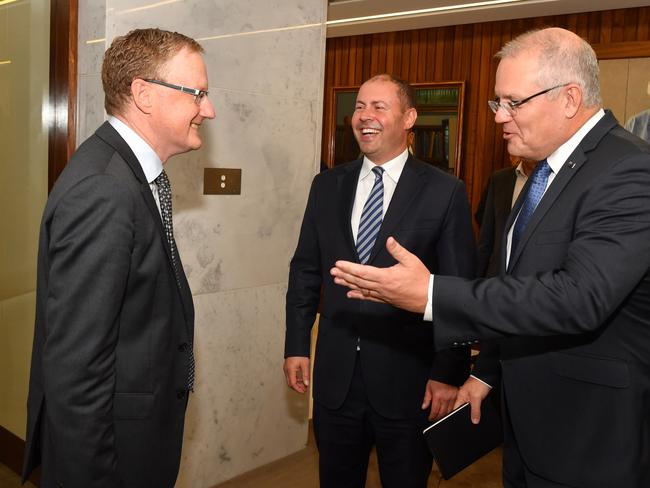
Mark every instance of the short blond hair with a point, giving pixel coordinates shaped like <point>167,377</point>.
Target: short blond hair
<point>139,54</point>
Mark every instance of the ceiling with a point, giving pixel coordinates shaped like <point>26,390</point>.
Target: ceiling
<point>351,17</point>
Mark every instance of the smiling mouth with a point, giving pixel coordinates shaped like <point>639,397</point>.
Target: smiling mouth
<point>369,130</point>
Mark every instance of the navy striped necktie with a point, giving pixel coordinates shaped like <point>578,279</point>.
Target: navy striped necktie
<point>371,217</point>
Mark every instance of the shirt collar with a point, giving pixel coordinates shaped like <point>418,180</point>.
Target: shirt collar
<point>557,159</point>
<point>519,170</point>
<point>392,168</point>
<point>151,164</point>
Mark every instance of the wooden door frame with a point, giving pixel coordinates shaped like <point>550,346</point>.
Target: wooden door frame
<point>63,85</point>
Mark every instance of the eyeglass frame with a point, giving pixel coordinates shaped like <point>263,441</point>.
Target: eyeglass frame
<point>199,95</point>
<point>512,106</point>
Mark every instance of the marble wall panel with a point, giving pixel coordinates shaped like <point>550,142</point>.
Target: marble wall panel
<point>211,18</point>
<point>90,105</point>
<point>242,415</point>
<point>272,144</point>
<point>256,63</point>
<point>90,53</point>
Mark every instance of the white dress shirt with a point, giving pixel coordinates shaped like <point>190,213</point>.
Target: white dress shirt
<point>392,171</point>
<point>151,164</point>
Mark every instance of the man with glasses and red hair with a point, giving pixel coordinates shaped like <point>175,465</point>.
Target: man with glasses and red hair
<point>571,309</point>
<point>112,362</point>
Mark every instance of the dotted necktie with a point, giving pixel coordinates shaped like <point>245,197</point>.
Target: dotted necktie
<point>536,190</point>
<point>165,198</point>
<point>371,217</point>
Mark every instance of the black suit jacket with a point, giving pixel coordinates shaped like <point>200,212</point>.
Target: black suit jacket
<point>429,215</point>
<point>107,392</point>
<point>496,206</point>
<point>573,316</point>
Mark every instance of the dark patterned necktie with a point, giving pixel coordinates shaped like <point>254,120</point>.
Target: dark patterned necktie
<point>536,190</point>
<point>371,217</point>
<point>165,198</point>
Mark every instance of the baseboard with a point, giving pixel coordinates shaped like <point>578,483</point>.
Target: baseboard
<point>12,449</point>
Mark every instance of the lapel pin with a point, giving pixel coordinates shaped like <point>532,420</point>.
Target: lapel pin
<point>571,164</point>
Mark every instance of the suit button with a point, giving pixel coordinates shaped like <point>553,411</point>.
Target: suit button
<point>455,343</point>
<point>182,347</point>
<point>180,394</point>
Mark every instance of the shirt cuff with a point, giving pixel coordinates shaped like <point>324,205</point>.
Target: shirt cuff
<point>479,379</point>
<point>428,311</point>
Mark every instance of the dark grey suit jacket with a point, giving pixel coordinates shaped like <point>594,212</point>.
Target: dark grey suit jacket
<point>107,392</point>
<point>573,316</point>
<point>429,215</point>
<point>495,210</point>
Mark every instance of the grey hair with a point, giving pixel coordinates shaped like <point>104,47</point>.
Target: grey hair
<point>563,57</point>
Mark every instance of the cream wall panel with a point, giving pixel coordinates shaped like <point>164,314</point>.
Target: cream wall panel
<point>613,86</point>
<point>638,89</point>
<point>24,74</point>
<point>17,329</point>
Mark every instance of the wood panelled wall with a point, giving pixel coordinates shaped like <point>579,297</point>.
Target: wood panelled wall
<point>466,53</point>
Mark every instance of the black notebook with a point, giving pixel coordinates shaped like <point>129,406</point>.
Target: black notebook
<point>456,442</point>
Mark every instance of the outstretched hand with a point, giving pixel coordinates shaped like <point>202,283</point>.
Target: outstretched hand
<point>404,285</point>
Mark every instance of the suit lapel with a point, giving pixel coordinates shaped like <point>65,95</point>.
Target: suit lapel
<point>572,165</point>
<point>568,170</point>
<point>108,134</point>
<point>347,189</point>
<point>408,187</point>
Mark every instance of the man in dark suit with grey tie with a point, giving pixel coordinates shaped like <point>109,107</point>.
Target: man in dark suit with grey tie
<point>112,361</point>
<point>571,309</point>
<point>376,379</point>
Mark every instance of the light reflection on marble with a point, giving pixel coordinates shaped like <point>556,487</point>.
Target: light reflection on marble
<point>206,18</point>
<point>267,91</point>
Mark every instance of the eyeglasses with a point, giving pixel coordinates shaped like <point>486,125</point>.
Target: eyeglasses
<point>199,95</point>
<point>511,106</point>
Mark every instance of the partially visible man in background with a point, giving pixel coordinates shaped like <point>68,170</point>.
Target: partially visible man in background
<point>499,197</point>
<point>112,361</point>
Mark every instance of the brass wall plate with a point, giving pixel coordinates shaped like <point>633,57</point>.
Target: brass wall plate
<point>222,181</point>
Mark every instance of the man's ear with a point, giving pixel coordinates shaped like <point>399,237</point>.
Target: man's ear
<point>409,118</point>
<point>572,101</point>
<point>142,93</point>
